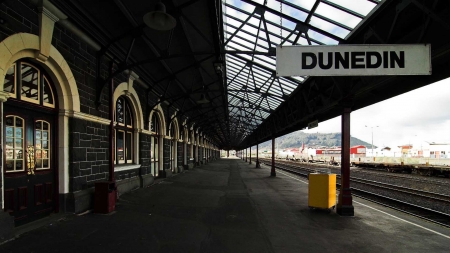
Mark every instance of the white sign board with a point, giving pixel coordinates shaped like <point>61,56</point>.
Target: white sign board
<point>354,60</point>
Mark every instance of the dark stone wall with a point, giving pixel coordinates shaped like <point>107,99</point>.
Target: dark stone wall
<point>200,152</point>
<point>180,153</point>
<point>126,174</point>
<point>89,153</point>
<point>166,154</point>
<point>88,141</point>
<point>144,153</point>
<point>19,17</point>
<point>188,150</point>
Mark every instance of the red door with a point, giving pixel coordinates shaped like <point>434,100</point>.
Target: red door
<point>29,172</point>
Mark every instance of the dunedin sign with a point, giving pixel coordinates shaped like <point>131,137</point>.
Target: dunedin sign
<point>354,60</point>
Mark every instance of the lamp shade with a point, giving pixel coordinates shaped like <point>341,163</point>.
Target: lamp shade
<point>203,99</point>
<point>159,19</point>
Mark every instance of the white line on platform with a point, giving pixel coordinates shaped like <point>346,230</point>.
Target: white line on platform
<point>292,177</point>
<point>409,222</point>
<point>393,216</point>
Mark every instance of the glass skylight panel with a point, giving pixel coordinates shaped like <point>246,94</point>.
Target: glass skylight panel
<point>271,17</point>
<point>264,63</point>
<point>264,92</point>
<point>322,38</point>
<point>362,7</point>
<point>329,27</point>
<point>338,15</point>
<point>255,20</point>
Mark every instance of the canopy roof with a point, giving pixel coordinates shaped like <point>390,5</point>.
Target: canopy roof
<point>223,53</point>
<point>253,29</point>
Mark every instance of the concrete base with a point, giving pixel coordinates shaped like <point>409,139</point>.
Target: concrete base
<point>80,201</point>
<point>345,210</point>
<point>128,185</point>
<point>165,173</point>
<point>180,169</point>
<point>6,226</point>
<point>146,180</point>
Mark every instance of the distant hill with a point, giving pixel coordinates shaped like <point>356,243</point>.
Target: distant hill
<point>296,139</point>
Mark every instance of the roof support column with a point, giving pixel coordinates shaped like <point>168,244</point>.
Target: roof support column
<point>345,206</point>
<point>245,154</point>
<point>228,153</point>
<point>112,136</point>
<point>272,171</point>
<point>250,157</point>
<point>257,160</point>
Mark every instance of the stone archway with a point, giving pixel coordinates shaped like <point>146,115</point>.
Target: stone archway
<point>23,45</point>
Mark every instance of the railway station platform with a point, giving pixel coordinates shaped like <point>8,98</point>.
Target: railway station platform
<point>229,206</point>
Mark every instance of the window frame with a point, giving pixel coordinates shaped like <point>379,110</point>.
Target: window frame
<point>128,148</point>
<point>155,128</point>
<point>23,138</point>
<point>43,78</point>
<point>49,143</point>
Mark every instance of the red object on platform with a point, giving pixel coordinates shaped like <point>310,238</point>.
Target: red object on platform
<point>105,197</point>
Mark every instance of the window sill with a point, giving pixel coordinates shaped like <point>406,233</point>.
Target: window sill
<point>123,167</point>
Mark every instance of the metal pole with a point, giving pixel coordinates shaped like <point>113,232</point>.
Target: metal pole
<point>272,171</point>
<point>111,125</point>
<point>257,157</point>
<point>372,142</point>
<point>250,158</point>
<point>245,154</point>
<point>345,206</point>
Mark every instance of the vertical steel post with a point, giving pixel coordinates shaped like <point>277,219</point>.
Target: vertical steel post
<point>257,157</point>
<point>272,171</point>
<point>245,154</point>
<point>345,206</point>
<point>250,158</point>
<point>228,153</point>
<point>111,125</point>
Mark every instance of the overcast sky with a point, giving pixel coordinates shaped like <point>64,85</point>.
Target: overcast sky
<point>414,117</point>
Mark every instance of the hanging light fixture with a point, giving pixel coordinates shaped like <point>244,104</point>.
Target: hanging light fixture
<point>218,67</point>
<point>203,99</point>
<point>159,19</point>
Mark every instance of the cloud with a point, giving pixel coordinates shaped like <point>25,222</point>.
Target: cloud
<point>413,117</point>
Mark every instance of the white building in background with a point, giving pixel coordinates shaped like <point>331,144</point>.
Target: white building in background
<point>435,150</point>
<point>384,152</point>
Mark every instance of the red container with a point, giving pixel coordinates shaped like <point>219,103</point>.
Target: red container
<point>105,197</point>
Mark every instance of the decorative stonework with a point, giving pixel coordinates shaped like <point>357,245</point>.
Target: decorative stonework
<point>3,96</point>
<point>46,25</point>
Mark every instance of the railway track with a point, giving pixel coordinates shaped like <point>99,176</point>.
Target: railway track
<point>433,184</point>
<point>381,193</point>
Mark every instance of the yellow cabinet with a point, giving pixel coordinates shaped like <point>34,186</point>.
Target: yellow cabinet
<point>322,190</point>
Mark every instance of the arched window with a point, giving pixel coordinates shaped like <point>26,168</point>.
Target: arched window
<point>24,81</point>
<point>29,131</point>
<point>124,132</point>
<point>155,126</point>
